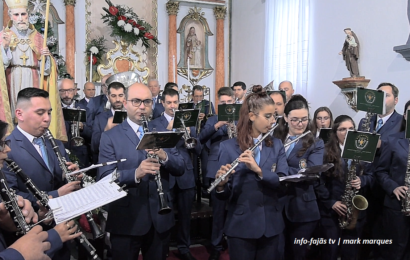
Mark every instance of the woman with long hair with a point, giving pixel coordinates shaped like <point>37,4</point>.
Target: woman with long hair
<point>301,209</point>
<point>322,118</point>
<point>391,172</point>
<point>335,180</point>
<point>254,218</point>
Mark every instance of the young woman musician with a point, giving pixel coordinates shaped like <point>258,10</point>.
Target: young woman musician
<point>301,209</point>
<point>323,118</point>
<point>391,172</point>
<point>333,208</point>
<point>254,219</point>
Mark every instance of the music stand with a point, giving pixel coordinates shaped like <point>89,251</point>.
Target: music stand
<point>229,112</point>
<point>308,174</point>
<point>119,116</point>
<point>189,116</point>
<point>183,106</point>
<point>74,114</point>
<point>158,140</point>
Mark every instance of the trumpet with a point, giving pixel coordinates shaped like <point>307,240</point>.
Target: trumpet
<point>207,92</point>
<point>190,142</point>
<point>164,208</point>
<point>76,139</point>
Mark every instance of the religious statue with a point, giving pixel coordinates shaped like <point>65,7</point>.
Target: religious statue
<point>193,49</point>
<point>350,52</point>
<point>21,47</point>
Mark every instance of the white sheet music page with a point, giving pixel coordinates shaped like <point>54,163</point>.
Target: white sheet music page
<point>79,202</point>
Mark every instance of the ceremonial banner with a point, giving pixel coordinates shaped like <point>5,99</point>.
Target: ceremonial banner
<point>5,113</point>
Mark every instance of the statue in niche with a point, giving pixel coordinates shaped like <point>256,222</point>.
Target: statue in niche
<point>350,52</point>
<point>193,49</point>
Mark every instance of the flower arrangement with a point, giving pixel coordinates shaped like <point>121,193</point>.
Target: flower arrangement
<point>126,25</point>
<point>97,48</point>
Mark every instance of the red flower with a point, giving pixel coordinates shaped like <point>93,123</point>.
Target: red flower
<point>148,36</point>
<point>113,10</point>
<point>121,17</point>
<point>140,27</point>
<point>132,22</point>
<point>94,60</point>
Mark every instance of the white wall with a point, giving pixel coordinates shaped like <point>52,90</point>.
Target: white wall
<point>248,41</point>
<point>379,25</point>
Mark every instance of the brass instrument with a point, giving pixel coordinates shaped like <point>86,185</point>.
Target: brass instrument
<point>352,200</point>
<point>190,142</point>
<point>164,208</point>
<point>76,139</point>
<point>231,127</point>
<point>97,232</point>
<point>188,97</point>
<point>406,201</point>
<point>207,91</point>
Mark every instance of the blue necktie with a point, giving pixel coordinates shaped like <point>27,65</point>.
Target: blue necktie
<point>154,100</point>
<point>291,138</point>
<point>39,141</point>
<point>379,124</point>
<point>257,152</point>
<point>141,131</point>
<point>349,163</point>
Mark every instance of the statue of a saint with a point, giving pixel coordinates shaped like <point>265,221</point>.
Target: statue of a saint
<point>21,47</point>
<point>350,52</point>
<point>193,49</point>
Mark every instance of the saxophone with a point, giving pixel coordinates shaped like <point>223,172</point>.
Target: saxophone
<point>96,231</point>
<point>406,201</point>
<point>43,199</point>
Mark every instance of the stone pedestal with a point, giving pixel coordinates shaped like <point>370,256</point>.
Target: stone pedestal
<point>349,86</point>
<point>172,9</point>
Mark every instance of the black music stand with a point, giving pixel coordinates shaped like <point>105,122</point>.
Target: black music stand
<point>189,116</point>
<point>74,114</point>
<point>119,116</point>
<point>310,173</point>
<point>158,140</point>
<point>183,106</point>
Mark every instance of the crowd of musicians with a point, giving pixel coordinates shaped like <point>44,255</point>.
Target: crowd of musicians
<point>259,216</point>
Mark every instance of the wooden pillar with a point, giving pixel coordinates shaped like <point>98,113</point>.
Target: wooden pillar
<point>220,13</point>
<point>6,17</point>
<point>172,9</point>
<point>70,37</point>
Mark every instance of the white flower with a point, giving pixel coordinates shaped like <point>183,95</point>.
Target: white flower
<point>33,19</point>
<point>128,27</point>
<point>128,15</point>
<point>121,23</point>
<point>136,31</point>
<point>94,50</point>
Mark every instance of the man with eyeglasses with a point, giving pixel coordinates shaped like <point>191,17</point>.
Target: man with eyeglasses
<point>213,133</point>
<point>200,102</point>
<point>287,86</point>
<point>67,92</point>
<point>133,221</point>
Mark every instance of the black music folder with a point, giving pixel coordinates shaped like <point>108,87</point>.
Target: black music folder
<point>157,140</point>
<point>189,116</point>
<point>119,116</point>
<point>183,106</point>
<point>324,134</point>
<point>74,114</point>
<point>229,112</point>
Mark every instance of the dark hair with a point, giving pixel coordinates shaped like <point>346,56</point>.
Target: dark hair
<point>170,85</point>
<point>280,94</point>
<point>28,93</point>
<point>403,120</point>
<point>394,89</point>
<point>116,85</point>
<point>332,148</point>
<point>295,102</point>
<point>313,125</point>
<point>253,103</point>
<point>239,83</point>
<point>198,88</point>
<point>3,129</point>
<point>225,91</point>
<point>169,92</point>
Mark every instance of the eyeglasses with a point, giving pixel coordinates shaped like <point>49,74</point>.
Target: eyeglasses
<point>296,121</point>
<point>62,91</point>
<point>3,145</point>
<point>344,129</point>
<point>137,102</point>
<point>323,118</point>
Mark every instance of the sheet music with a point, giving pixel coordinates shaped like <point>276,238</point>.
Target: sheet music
<point>79,202</point>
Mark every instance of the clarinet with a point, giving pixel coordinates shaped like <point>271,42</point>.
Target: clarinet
<point>9,198</point>
<point>96,231</point>
<point>62,163</point>
<point>164,208</point>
